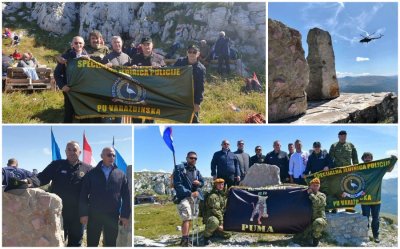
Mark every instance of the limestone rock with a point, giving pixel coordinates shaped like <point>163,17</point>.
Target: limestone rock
<point>32,217</point>
<point>323,83</point>
<point>261,175</point>
<point>347,228</point>
<point>288,72</point>
<point>55,17</point>
<point>124,238</point>
<point>352,108</point>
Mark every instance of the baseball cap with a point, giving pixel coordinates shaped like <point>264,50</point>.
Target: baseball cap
<point>146,40</point>
<point>342,132</point>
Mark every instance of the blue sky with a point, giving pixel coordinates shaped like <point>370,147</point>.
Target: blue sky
<point>31,145</point>
<point>346,22</point>
<point>152,154</point>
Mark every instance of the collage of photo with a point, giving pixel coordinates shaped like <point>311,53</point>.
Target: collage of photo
<point>199,124</point>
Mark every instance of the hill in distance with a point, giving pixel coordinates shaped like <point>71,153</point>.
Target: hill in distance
<point>368,84</point>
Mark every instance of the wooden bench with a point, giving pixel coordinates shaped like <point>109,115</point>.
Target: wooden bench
<point>17,80</point>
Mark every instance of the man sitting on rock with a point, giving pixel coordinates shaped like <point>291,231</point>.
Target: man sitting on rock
<point>187,182</point>
<point>319,222</point>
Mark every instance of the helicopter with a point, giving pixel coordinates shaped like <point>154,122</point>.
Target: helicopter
<point>368,38</point>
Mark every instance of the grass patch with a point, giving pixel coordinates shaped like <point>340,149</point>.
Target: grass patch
<point>152,221</point>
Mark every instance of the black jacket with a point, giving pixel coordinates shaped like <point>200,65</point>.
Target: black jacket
<point>66,180</point>
<point>199,76</point>
<point>103,196</point>
<point>281,160</point>
<point>225,164</point>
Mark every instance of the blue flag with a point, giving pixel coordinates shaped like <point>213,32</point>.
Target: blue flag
<point>55,150</point>
<point>166,133</point>
<point>119,160</point>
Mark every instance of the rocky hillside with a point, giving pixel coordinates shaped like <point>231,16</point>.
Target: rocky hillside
<point>368,84</point>
<point>167,23</point>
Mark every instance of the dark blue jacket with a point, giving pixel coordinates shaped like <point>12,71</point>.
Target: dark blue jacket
<point>18,174</point>
<point>199,76</point>
<point>225,164</point>
<point>183,180</point>
<point>317,163</point>
<point>222,47</point>
<point>281,160</point>
<point>60,72</point>
<point>105,196</point>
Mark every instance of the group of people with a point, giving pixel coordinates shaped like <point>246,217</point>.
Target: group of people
<point>145,56</point>
<point>95,197</point>
<point>15,38</point>
<point>230,168</point>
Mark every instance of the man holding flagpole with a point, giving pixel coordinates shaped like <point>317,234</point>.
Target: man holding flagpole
<point>66,178</point>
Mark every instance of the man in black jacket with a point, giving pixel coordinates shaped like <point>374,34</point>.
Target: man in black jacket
<point>104,189</point>
<point>225,165</point>
<point>66,181</point>
<point>279,158</point>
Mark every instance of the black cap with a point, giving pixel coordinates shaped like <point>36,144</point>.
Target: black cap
<point>146,40</point>
<point>193,46</point>
<point>316,145</point>
<point>342,133</point>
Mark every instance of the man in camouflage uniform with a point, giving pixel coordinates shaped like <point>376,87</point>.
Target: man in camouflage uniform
<point>319,222</point>
<point>214,212</point>
<point>343,153</point>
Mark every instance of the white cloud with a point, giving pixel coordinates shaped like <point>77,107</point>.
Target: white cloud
<point>393,174</point>
<point>109,142</point>
<point>391,152</point>
<point>161,171</point>
<point>361,59</point>
<point>46,151</point>
<point>144,170</point>
<point>344,74</point>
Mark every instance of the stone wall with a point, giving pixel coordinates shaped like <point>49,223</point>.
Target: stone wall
<point>31,217</point>
<point>350,229</point>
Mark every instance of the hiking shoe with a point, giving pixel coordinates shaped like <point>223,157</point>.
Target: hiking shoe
<point>350,210</point>
<point>334,211</point>
<point>315,242</point>
<point>185,242</point>
<point>377,240</point>
<point>207,241</point>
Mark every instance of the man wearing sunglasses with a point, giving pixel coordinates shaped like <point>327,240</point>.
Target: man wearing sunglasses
<point>104,200</point>
<point>66,178</point>
<point>258,157</point>
<point>187,182</point>
<point>199,75</point>
<point>225,165</point>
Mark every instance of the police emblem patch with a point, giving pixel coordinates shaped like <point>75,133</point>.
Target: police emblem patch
<point>81,174</point>
<point>353,186</point>
<point>128,91</point>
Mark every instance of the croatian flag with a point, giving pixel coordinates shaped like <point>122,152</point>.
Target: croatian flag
<point>55,150</point>
<point>87,152</point>
<point>166,133</point>
<point>119,160</point>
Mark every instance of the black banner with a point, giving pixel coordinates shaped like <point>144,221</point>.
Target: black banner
<point>275,209</point>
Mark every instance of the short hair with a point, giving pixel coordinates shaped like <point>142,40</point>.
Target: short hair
<point>275,142</point>
<point>106,149</point>
<point>258,147</point>
<point>74,143</point>
<point>367,154</point>
<point>12,161</point>
<point>116,37</point>
<point>191,153</point>
<point>95,33</point>
<point>290,144</point>
<point>240,142</point>
<point>298,141</point>
<point>78,37</point>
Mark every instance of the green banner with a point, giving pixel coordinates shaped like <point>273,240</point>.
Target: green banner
<point>153,93</point>
<point>355,184</point>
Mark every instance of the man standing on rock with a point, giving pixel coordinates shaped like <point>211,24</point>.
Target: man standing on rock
<point>280,159</point>
<point>187,183</point>
<point>215,206</point>
<point>66,178</point>
<point>104,201</point>
<point>343,153</point>
<point>258,157</point>
<point>225,165</point>
<point>243,158</point>
<point>297,164</point>
<point>199,76</point>
<point>222,51</point>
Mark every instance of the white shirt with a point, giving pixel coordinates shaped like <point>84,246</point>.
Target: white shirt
<point>298,163</point>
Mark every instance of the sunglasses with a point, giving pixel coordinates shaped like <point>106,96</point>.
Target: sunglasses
<point>193,158</point>
<point>76,43</point>
<point>192,52</point>
<point>110,155</point>
<point>225,144</point>
<point>258,149</point>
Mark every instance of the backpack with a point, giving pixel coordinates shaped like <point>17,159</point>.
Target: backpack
<point>202,204</point>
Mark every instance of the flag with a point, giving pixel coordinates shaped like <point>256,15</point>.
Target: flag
<point>55,150</point>
<point>119,160</point>
<point>166,133</point>
<point>255,77</point>
<point>87,152</point>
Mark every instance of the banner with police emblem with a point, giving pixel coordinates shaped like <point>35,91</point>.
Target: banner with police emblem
<point>274,209</point>
<point>152,93</point>
<point>352,185</point>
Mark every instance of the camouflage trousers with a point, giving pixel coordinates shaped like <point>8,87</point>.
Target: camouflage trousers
<point>212,224</point>
<point>313,231</point>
